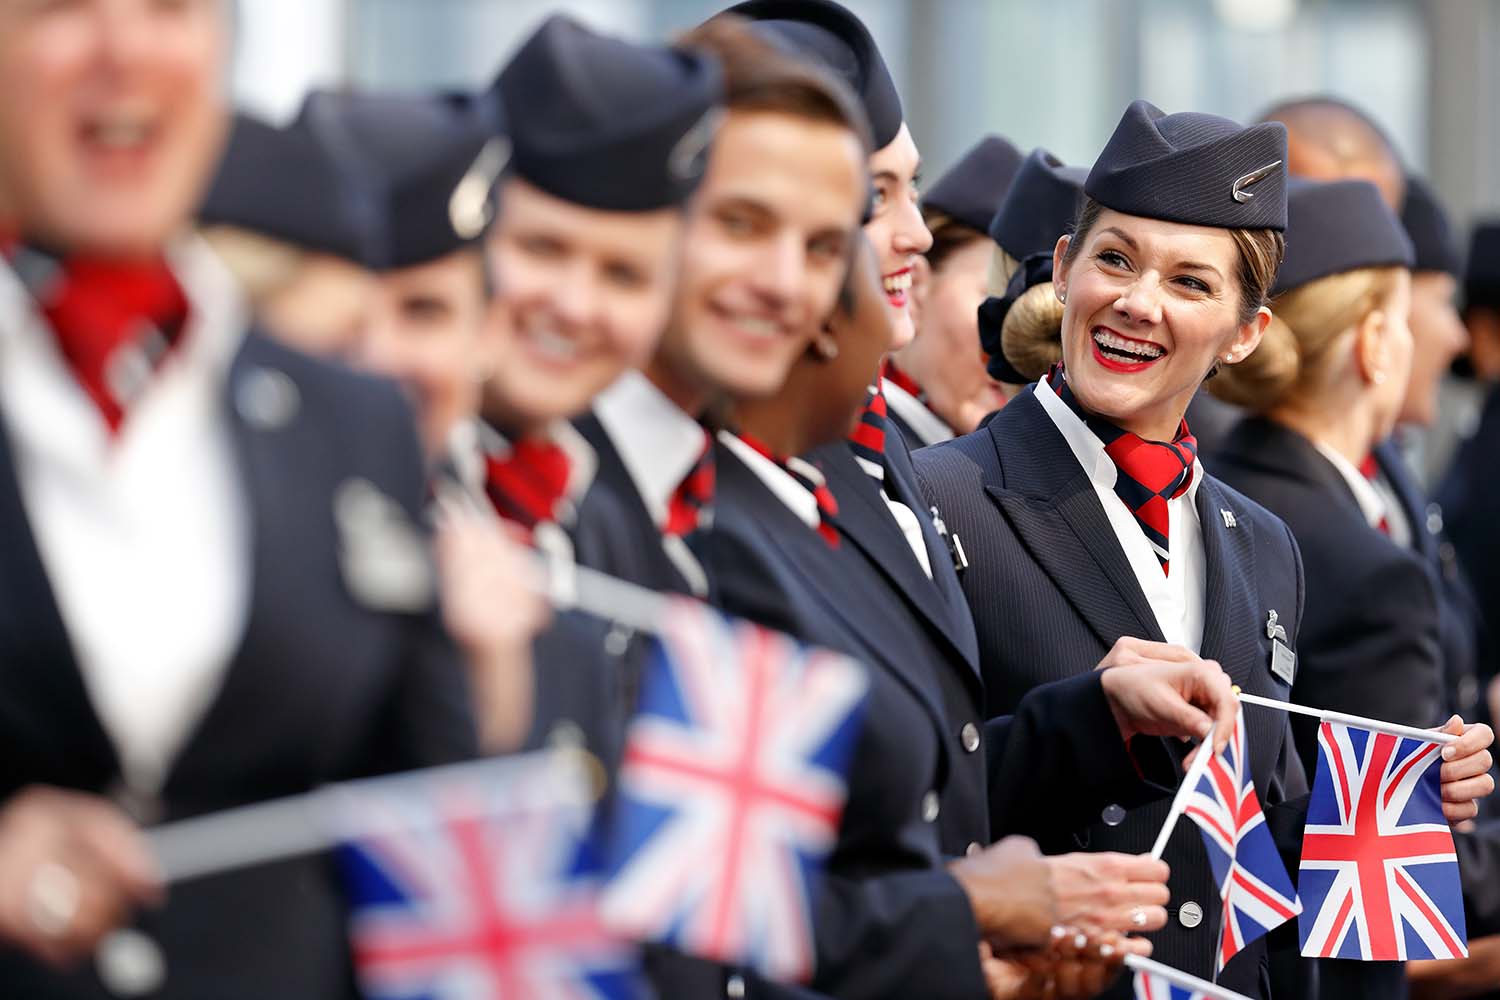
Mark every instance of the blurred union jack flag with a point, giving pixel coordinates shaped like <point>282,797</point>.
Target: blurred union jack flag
<point>1255,891</point>
<point>1154,981</point>
<point>472,883</point>
<point>1379,872</point>
<point>730,791</point>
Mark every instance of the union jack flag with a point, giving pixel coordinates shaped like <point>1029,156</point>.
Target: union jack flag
<point>1154,981</point>
<point>473,884</point>
<point>730,791</point>
<point>1255,892</point>
<point>1378,867</point>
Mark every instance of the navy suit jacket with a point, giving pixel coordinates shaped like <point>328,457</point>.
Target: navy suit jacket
<point>1052,591</point>
<point>323,688</point>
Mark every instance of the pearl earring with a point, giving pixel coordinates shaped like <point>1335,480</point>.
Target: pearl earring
<point>1378,378</point>
<point>826,346</point>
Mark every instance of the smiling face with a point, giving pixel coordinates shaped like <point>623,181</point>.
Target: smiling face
<point>768,235</point>
<point>111,118</point>
<point>896,229</point>
<point>581,296</point>
<point>1150,306</point>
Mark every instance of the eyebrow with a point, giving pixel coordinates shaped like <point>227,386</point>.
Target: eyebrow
<point>1187,265</point>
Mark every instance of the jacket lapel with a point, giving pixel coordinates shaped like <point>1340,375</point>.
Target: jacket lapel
<point>1413,504</point>
<point>1230,614</point>
<point>1058,517</point>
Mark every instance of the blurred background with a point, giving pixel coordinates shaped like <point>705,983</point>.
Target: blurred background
<point>1053,73</point>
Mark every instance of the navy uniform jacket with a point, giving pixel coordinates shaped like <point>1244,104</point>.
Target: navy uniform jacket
<point>323,688</point>
<point>1052,591</point>
<point>891,921</point>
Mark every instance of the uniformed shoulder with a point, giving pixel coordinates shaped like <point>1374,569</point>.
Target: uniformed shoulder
<point>325,385</point>
<point>956,469</point>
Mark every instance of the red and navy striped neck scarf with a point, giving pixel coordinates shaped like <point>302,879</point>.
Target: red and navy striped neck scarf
<point>1150,472</point>
<point>811,479</point>
<point>691,504</point>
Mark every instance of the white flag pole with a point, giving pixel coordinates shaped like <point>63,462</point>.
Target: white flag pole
<point>1182,979</point>
<point>1184,790</point>
<point>1359,721</point>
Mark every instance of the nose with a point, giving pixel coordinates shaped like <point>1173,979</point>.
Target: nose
<point>782,270</point>
<point>122,32</point>
<point>910,234</point>
<point>1140,301</point>
<point>575,296</point>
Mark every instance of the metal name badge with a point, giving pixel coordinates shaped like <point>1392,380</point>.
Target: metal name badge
<point>1283,661</point>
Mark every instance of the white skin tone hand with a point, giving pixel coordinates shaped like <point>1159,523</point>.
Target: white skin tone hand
<point>1158,689</point>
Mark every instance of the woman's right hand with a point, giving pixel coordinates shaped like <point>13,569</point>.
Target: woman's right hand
<point>72,868</point>
<point>1108,892</point>
<point>1009,885</point>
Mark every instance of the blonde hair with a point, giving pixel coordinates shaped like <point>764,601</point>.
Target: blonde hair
<point>262,265</point>
<point>1031,335</point>
<point>1297,350</point>
<point>1002,266</point>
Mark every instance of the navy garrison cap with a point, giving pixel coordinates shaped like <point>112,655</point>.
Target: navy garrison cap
<point>1482,272</point>
<point>973,187</point>
<point>286,184</point>
<point>425,165</point>
<point>1193,168</point>
<point>1338,226</point>
<point>608,124</point>
<point>831,35</point>
<point>1041,205</point>
<point>1431,234</point>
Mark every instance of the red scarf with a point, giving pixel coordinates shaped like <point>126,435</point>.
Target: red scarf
<point>811,479</point>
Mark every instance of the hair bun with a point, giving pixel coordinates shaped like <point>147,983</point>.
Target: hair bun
<point>1031,336</point>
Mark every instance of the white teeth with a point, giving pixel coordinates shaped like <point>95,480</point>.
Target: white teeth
<point>895,284</point>
<point>120,133</point>
<point>553,346</point>
<point>1137,348</point>
<point>758,326</point>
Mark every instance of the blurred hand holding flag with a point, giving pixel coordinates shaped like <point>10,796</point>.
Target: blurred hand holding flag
<point>1379,871</point>
<point>731,791</point>
<point>1254,887</point>
<point>475,883</point>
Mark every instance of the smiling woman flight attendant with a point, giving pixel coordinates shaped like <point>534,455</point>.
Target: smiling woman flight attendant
<point>1092,533</point>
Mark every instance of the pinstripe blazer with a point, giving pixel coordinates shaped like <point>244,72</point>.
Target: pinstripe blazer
<point>1051,591</point>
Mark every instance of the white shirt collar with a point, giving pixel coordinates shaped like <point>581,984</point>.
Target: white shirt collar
<point>1087,447</point>
<point>798,498</point>
<point>927,425</point>
<point>1371,504</point>
<point>658,442</point>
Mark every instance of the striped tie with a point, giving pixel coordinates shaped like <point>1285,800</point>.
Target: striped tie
<point>1150,472</point>
<point>690,507</point>
<point>811,479</point>
<point>868,439</point>
<point>1370,469</point>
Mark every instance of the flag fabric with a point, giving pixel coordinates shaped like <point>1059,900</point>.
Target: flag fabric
<point>1379,872</point>
<point>477,884</point>
<point>730,791</point>
<point>1154,981</point>
<point>1255,891</point>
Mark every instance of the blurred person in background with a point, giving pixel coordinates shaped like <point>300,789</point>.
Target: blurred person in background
<point>937,385</point>
<point>216,584</point>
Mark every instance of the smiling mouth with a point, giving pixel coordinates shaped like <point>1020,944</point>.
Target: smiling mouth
<point>897,286</point>
<point>1125,354</point>
<point>550,346</point>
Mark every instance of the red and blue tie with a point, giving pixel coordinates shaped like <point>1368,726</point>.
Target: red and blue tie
<point>692,502</point>
<point>811,478</point>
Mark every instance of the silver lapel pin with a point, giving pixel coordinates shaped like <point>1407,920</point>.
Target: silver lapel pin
<point>1228,516</point>
<point>1274,630</point>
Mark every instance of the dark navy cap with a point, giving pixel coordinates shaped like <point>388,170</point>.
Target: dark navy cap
<point>285,184</point>
<point>1338,226</point>
<point>831,35</point>
<point>1034,269</point>
<point>973,187</point>
<point>1193,168</point>
<point>1482,272</point>
<point>1040,206</point>
<point>1431,234</point>
<point>606,123</point>
<point>426,166</point>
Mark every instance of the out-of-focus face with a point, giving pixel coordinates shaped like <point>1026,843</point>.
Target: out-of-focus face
<point>1305,159</point>
<point>1439,336</point>
<point>1391,392</point>
<point>422,328</point>
<point>864,334</point>
<point>111,118</point>
<point>945,358</point>
<point>896,229</point>
<point>1149,307</point>
<point>581,295</point>
<point>768,238</point>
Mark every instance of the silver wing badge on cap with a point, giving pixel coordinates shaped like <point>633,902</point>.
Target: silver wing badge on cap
<point>1238,192</point>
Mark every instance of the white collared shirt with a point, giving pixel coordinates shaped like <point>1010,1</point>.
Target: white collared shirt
<point>1376,500</point>
<point>145,534</point>
<point>659,444</point>
<point>928,426</point>
<point>798,498</point>
<point>1176,597</point>
<point>905,517</point>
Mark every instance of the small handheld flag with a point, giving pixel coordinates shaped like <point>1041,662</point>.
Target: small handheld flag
<point>1154,981</point>
<point>1379,872</point>
<point>1255,891</point>
<point>730,791</point>
<point>475,885</point>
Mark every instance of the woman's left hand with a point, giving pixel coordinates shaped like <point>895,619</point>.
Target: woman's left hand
<point>1466,766</point>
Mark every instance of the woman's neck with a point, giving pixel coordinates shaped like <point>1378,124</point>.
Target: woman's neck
<point>1346,425</point>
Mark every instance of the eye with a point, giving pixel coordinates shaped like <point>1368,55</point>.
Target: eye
<point>737,223</point>
<point>623,275</point>
<point>827,248</point>
<point>1113,258</point>
<point>879,198</point>
<point>1194,284</point>
<point>424,309</point>
<point>539,246</point>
